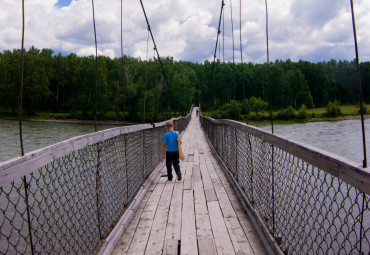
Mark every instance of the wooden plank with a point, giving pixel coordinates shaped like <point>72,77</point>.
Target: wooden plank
<point>190,157</point>
<point>225,204</point>
<point>212,171</point>
<point>238,237</point>
<point>203,224</point>
<point>247,226</point>
<point>173,230</point>
<point>205,177</point>
<point>151,206</point>
<point>141,236</point>
<point>196,174</point>
<point>251,234</point>
<point>208,186</point>
<point>220,233</point>
<point>188,230</point>
<point>188,178</point>
<point>157,233</point>
<point>210,194</point>
<point>206,246</point>
<point>140,239</point>
<point>170,247</point>
<point>126,238</point>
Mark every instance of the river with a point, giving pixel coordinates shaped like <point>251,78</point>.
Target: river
<point>339,137</point>
<point>37,135</point>
<point>343,138</point>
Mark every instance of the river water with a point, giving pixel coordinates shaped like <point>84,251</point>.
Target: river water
<point>339,137</point>
<point>343,138</point>
<point>37,135</point>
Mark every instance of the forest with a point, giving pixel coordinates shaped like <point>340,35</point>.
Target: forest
<point>138,90</point>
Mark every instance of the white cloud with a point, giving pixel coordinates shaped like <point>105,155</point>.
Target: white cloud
<point>313,30</point>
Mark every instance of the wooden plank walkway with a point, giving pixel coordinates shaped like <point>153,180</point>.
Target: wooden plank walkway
<point>199,215</point>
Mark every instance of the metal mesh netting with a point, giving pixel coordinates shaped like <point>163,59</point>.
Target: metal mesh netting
<point>306,209</point>
<point>71,203</point>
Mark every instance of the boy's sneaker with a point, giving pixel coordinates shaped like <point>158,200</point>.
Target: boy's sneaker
<point>169,179</point>
<point>179,178</point>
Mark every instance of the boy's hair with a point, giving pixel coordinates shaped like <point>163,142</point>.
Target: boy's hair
<point>169,124</point>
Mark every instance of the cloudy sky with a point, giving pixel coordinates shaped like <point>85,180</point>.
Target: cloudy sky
<point>313,30</point>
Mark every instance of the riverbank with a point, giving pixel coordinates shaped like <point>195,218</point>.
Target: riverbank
<point>249,122</point>
<point>314,119</point>
<point>349,112</point>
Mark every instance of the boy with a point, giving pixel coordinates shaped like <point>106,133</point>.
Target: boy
<point>170,147</point>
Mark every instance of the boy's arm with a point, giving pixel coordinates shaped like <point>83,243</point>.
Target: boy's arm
<point>179,139</point>
<point>164,147</point>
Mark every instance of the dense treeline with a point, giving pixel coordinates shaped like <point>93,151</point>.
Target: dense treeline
<point>59,83</point>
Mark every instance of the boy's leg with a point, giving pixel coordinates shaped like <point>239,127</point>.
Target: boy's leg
<point>176,165</point>
<point>168,165</point>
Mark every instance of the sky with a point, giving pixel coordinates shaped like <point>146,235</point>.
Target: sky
<point>312,30</point>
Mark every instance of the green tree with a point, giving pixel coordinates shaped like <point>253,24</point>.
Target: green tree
<point>257,104</point>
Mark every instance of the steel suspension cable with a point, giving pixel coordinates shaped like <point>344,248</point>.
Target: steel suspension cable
<point>268,66</point>
<point>25,183</point>
<point>217,38</point>
<point>21,85</point>
<point>272,124</point>
<point>232,28</point>
<point>96,66</point>
<point>146,73</point>
<point>233,65</point>
<point>241,47</point>
<point>155,46</point>
<point>364,163</point>
<point>122,69</point>
<point>95,111</point>
<point>223,36</point>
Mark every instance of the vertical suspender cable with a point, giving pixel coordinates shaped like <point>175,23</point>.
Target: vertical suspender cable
<point>232,27</point>
<point>241,47</point>
<point>364,163</point>
<point>146,73</point>
<point>268,66</point>
<point>96,67</point>
<point>272,125</point>
<point>232,36</point>
<point>359,87</point>
<point>21,84</point>
<point>95,110</point>
<point>223,37</point>
<point>122,71</point>
<point>20,130</point>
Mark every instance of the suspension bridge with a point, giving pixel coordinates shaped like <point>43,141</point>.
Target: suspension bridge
<point>244,191</point>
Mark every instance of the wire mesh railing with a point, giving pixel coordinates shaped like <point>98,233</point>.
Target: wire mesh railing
<point>308,201</point>
<point>65,198</point>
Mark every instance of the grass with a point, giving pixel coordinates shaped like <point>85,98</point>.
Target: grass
<point>313,115</point>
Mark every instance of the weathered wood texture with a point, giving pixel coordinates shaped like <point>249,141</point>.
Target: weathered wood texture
<point>198,215</point>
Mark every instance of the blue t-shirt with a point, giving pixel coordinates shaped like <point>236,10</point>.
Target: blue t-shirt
<point>171,139</point>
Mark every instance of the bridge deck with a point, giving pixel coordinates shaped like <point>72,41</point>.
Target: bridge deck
<point>200,214</point>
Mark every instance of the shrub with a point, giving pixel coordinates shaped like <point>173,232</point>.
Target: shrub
<point>231,110</point>
<point>287,113</point>
<point>333,109</point>
<point>216,115</point>
<point>364,107</point>
<point>302,114</point>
